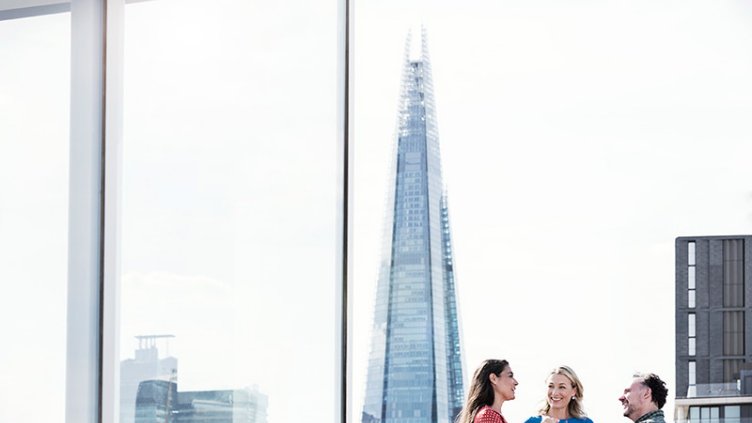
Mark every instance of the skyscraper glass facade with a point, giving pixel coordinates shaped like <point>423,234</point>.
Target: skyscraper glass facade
<point>415,365</point>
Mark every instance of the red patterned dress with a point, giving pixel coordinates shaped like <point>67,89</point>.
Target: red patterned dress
<point>488,415</point>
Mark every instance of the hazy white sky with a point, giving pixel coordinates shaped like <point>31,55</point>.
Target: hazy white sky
<point>578,140</point>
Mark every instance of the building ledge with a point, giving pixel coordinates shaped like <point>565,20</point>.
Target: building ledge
<point>686,402</point>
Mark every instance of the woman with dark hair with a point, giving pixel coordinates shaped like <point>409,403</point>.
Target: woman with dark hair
<point>563,402</point>
<point>493,383</point>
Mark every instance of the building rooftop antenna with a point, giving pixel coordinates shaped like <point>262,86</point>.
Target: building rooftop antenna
<point>150,341</point>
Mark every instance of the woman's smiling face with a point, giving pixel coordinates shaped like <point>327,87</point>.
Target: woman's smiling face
<point>560,391</point>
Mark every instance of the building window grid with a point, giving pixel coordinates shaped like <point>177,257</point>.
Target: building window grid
<point>733,321</point>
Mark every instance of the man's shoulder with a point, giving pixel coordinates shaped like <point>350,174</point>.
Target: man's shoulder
<point>653,417</point>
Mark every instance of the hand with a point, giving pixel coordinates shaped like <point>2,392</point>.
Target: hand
<point>549,419</point>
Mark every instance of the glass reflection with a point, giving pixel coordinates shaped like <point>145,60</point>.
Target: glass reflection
<point>229,183</point>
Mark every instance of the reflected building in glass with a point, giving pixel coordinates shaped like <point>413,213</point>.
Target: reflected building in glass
<point>415,365</point>
<point>159,401</point>
<point>149,393</point>
<point>145,365</point>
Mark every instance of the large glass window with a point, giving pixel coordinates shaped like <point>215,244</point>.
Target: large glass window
<point>710,414</point>
<point>571,146</point>
<point>694,414</point>
<point>732,413</point>
<point>228,211</point>
<point>34,151</point>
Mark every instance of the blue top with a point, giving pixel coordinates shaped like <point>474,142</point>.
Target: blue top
<point>537,419</point>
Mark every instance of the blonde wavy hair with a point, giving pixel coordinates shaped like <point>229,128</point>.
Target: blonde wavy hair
<point>574,407</point>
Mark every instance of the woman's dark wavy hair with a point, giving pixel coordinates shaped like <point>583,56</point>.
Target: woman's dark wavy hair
<point>481,391</point>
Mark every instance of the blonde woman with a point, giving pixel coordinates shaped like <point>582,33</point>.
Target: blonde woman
<point>563,402</point>
<point>493,383</point>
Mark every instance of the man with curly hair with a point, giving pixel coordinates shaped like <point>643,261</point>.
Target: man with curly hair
<point>644,398</point>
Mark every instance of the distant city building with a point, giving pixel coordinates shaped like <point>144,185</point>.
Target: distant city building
<point>160,402</point>
<point>146,365</point>
<point>415,366</point>
<point>149,393</point>
<point>155,401</point>
<point>713,317</point>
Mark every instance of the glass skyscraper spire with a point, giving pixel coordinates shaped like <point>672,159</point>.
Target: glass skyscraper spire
<point>415,365</point>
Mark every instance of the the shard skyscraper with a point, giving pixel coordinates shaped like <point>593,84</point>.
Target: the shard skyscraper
<point>415,365</point>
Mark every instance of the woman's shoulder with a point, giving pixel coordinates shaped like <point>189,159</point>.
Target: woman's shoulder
<point>487,415</point>
<point>534,419</point>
